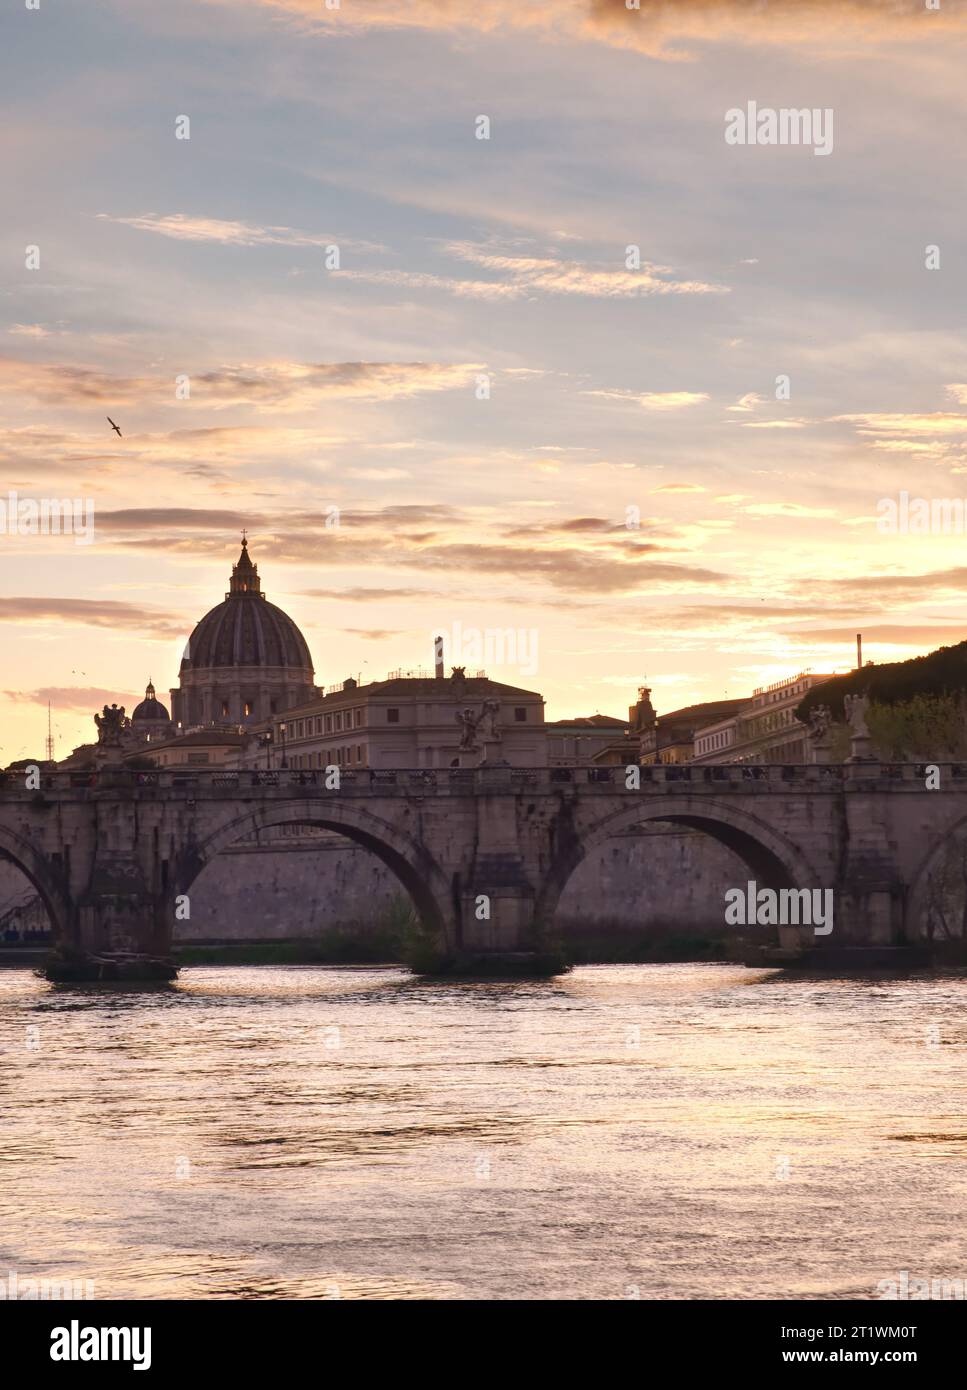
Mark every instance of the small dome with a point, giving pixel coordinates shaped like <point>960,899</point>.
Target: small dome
<point>150,708</point>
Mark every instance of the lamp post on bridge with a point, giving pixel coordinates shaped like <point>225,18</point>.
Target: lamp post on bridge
<point>266,742</point>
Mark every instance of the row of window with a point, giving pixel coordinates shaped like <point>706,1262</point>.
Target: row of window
<point>353,719</point>
<point>328,723</point>
<point>768,723</point>
<point>799,688</point>
<point>710,741</point>
<point>247,709</point>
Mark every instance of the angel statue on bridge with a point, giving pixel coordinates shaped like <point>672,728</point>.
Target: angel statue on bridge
<point>820,718</point>
<point>856,707</point>
<point>111,724</point>
<point>469,723</point>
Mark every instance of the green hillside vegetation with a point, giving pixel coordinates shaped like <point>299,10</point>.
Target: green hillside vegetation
<point>918,708</point>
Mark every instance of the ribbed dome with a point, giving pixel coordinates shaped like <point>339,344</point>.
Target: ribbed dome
<point>149,708</point>
<point>246,630</point>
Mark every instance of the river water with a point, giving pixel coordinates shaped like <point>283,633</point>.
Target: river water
<point>652,1131</point>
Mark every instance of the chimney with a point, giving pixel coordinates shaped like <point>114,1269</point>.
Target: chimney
<point>438,657</point>
<point>859,651</point>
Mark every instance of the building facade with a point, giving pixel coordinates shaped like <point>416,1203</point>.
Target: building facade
<point>207,748</point>
<point>671,738</point>
<point>764,729</point>
<point>601,740</point>
<point>584,741</point>
<point>407,722</point>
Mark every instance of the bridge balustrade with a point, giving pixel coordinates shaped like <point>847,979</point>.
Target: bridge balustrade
<point>749,776</point>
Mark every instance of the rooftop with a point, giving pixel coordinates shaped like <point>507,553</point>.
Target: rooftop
<point>589,721</point>
<point>419,687</point>
<point>711,709</point>
<point>200,738</point>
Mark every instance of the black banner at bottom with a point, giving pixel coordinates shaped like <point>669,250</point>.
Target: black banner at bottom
<point>168,1339</point>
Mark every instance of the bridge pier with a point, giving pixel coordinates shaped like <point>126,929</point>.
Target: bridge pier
<point>498,911</point>
<point>498,917</point>
<point>120,928</point>
<point>869,916</point>
<point>870,899</point>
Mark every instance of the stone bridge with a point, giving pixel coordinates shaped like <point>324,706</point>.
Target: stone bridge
<point>111,853</point>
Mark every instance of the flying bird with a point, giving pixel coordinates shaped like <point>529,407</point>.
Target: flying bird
<point>115,427</point>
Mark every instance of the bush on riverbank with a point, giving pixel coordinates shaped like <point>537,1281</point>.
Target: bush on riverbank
<point>399,937</point>
<point>357,943</point>
<point>344,948</point>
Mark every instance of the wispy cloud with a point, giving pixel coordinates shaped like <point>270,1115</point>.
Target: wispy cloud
<point>658,28</point>
<point>270,386</point>
<point>919,635</point>
<point>30,330</point>
<point>937,422</point>
<point>521,276</point>
<point>747,402</point>
<point>793,423</point>
<point>602,558</point>
<point>788,509</point>
<point>84,699</point>
<point>107,613</point>
<point>180,226</point>
<point>554,275</point>
<point>654,400</point>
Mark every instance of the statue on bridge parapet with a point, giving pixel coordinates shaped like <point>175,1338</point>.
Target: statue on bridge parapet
<point>820,719</point>
<point>491,721</point>
<point>860,743</point>
<point>469,723</point>
<point>486,724</point>
<point>112,725</point>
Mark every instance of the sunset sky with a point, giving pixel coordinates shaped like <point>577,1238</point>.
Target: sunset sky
<point>757,553</point>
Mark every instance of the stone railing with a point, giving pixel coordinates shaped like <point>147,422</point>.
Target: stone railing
<point>703,778</point>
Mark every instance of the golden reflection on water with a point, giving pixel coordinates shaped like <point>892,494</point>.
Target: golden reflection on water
<point>687,1131</point>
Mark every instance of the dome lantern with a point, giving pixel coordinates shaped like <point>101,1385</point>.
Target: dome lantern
<point>245,574</point>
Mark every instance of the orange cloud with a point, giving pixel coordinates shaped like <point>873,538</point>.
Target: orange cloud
<point>180,227</point>
<point>84,698</point>
<point>270,386</point>
<point>527,275</point>
<point>938,422</point>
<point>655,27</point>
<point>109,613</point>
<point>654,400</point>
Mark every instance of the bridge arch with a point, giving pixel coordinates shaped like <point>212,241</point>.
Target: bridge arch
<point>35,867</point>
<point>411,863</point>
<point>773,860</point>
<point>918,897</point>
